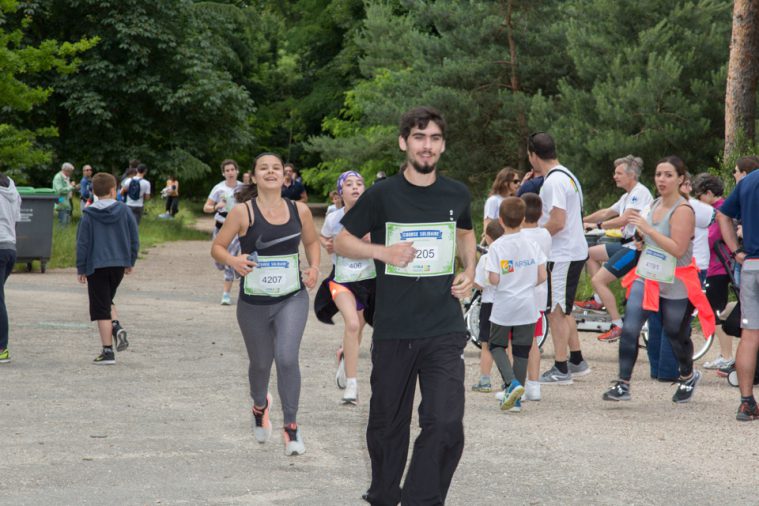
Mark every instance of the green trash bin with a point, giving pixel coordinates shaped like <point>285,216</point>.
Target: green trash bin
<point>34,231</point>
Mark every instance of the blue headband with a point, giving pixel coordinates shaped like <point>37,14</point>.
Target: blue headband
<point>345,175</point>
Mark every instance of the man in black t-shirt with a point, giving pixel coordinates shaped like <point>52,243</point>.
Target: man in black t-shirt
<point>419,221</point>
<point>292,188</point>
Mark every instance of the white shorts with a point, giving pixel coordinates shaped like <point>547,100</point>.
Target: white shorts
<point>563,279</point>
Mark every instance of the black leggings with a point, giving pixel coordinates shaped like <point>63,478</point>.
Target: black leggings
<point>676,315</point>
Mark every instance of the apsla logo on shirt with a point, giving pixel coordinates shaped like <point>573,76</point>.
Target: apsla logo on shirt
<point>508,266</point>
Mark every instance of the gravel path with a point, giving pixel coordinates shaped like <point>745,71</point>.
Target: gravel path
<point>170,423</point>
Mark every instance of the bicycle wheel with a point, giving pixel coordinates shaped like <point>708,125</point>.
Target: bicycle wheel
<point>701,344</point>
<point>472,318</point>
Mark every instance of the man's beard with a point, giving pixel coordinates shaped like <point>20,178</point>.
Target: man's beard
<point>422,169</point>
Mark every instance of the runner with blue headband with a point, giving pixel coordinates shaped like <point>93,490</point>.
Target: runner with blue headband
<point>349,289</point>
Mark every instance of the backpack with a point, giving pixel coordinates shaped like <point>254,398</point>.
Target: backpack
<point>133,192</point>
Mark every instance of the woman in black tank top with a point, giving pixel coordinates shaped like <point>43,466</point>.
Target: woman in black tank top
<point>272,308</point>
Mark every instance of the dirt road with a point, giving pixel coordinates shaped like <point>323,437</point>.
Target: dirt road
<point>170,423</point>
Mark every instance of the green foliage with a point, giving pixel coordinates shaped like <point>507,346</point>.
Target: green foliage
<point>19,144</point>
<point>652,88</point>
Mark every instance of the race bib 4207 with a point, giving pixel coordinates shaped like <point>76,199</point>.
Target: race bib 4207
<point>435,245</point>
<point>274,276</point>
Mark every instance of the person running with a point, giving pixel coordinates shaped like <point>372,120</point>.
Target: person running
<point>505,185</point>
<point>10,214</point>
<point>666,277</point>
<point>743,204</point>
<point>619,258</point>
<point>349,288</point>
<point>272,307</point>
<point>561,195</point>
<point>419,221</point>
<point>220,201</point>
<point>709,189</point>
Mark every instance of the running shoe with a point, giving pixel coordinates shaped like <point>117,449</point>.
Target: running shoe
<point>350,394</point>
<point>554,376</point>
<point>4,356</point>
<point>120,337</point>
<point>482,387</point>
<point>512,395</point>
<point>590,304</point>
<point>747,412</point>
<point>107,357</point>
<point>531,391</point>
<point>226,300</point>
<point>261,422</point>
<point>719,363</point>
<point>340,374</point>
<point>619,391</point>
<point>685,389</point>
<point>612,335</point>
<point>517,407</point>
<point>578,370</point>
<point>293,440</point>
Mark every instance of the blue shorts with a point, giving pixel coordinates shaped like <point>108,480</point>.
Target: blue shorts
<point>621,259</point>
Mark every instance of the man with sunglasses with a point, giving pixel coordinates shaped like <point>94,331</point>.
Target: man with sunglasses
<point>561,194</point>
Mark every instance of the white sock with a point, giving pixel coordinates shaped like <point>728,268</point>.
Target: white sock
<point>618,322</point>
<point>597,298</point>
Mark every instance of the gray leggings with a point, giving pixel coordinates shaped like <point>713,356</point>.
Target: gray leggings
<point>273,333</point>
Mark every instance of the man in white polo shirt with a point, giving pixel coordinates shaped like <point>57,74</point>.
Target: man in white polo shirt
<point>561,194</point>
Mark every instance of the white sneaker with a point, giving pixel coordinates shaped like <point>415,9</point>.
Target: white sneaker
<point>719,363</point>
<point>500,395</point>
<point>340,374</point>
<point>350,394</point>
<point>226,300</point>
<point>293,440</point>
<point>532,391</point>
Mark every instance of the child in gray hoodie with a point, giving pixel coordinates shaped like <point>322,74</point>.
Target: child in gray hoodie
<point>10,213</point>
<point>107,243</point>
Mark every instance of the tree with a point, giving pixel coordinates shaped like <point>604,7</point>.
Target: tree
<point>742,75</point>
<point>20,146</point>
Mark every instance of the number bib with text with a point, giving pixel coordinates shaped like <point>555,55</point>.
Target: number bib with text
<point>348,270</point>
<point>435,245</point>
<point>657,265</point>
<point>274,276</point>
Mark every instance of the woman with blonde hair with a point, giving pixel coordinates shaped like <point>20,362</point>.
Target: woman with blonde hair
<point>506,184</point>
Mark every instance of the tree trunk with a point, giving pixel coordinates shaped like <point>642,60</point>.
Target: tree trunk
<point>515,88</point>
<point>742,74</point>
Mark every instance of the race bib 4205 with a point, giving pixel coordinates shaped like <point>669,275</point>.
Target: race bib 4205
<point>435,245</point>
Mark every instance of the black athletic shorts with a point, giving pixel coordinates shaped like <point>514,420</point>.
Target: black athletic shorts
<point>101,288</point>
<point>563,279</point>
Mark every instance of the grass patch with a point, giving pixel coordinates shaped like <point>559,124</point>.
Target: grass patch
<point>153,231</point>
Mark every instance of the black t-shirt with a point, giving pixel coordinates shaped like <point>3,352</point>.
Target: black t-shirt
<point>294,191</point>
<point>411,307</point>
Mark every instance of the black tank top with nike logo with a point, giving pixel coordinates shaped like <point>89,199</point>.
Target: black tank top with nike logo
<point>270,240</point>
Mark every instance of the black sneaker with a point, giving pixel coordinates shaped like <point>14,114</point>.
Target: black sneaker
<point>107,357</point>
<point>120,337</point>
<point>747,412</point>
<point>685,389</point>
<point>619,391</point>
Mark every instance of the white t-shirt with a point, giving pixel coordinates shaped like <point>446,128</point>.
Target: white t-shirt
<point>516,259</point>
<point>144,190</point>
<point>543,240</point>
<point>564,192</point>
<point>637,198</point>
<point>704,217</point>
<point>223,192</point>
<point>332,225</point>
<point>492,205</point>
<point>481,278</point>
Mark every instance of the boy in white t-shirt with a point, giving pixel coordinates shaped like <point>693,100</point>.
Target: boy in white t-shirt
<point>515,266</point>
<point>492,232</point>
<point>541,236</point>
